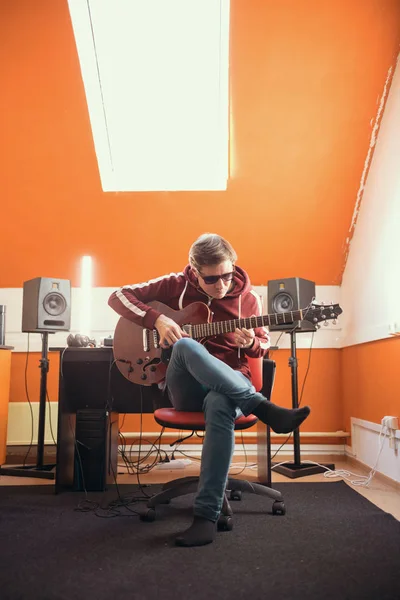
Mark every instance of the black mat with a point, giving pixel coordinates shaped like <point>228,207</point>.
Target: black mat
<point>331,544</point>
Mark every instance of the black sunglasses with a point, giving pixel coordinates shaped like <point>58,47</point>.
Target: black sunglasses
<point>210,279</point>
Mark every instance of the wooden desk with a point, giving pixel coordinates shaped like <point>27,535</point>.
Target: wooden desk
<point>5,372</point>
<point>90,380</point>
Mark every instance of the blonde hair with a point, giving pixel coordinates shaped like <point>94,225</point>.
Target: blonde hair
<point>210,249</point>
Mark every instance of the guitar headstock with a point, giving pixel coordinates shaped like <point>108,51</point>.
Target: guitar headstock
<point>316,313</point>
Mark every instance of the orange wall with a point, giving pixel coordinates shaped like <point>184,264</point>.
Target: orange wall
<point>305,79</point>
<point>322,390</point>
<point>370,380</point>
<point>18,366</point>
<point>358,381</point>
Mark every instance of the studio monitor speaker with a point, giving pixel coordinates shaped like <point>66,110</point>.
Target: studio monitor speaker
<point>46,305</point>
<point>285,295</point>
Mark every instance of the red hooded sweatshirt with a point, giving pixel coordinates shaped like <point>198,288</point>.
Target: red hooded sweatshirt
<point>177,290</point>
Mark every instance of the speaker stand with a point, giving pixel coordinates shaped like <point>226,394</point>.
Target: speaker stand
<point>39,470</point>
<point>296,469</point>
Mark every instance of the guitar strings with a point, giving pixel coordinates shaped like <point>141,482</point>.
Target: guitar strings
<point>216,327</point>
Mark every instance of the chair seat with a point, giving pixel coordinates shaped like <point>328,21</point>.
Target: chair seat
<point>190,421</point>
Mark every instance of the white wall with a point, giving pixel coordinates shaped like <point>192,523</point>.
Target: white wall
<point>370,291</point>
<point>104,320</point>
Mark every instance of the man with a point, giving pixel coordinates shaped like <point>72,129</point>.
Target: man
<point>213,377</point>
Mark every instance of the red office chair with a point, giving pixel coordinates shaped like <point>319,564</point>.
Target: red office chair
<point>263,373</point>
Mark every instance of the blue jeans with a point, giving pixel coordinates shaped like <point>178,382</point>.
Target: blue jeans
<point>197,381</point>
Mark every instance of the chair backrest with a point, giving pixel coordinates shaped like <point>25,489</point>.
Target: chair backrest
<point>256,368</point>
<point>263,375</point>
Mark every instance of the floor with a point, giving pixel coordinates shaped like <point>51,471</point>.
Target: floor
<point>380,491</point>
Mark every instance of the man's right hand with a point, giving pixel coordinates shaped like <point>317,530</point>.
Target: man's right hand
<point>169,331</point>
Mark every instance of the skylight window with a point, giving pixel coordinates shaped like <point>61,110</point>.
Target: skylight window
<point>156,81</point>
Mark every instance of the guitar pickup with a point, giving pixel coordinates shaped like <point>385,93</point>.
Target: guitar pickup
<point>146,340</point>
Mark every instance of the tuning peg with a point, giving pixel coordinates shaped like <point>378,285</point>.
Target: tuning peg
<point>334,322</point>
<point>326,323</point>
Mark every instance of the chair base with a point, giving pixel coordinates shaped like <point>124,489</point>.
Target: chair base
<point>188,485</point>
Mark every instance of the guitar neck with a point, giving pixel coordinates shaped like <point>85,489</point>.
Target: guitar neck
<point>208,329</point>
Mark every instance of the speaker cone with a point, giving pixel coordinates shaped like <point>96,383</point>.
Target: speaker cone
<point>54,304</point>
<point>282,302</point>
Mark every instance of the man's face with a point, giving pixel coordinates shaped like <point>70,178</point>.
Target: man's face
<point>211,280</point>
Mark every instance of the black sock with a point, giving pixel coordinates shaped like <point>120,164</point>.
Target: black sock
<point>200,533</point>
<point>281,420</point>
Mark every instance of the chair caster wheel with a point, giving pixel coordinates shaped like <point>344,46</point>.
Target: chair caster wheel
<point>149,515</point>
<point>225,523</point>
<point>278,508</point>
<point>235,495</point>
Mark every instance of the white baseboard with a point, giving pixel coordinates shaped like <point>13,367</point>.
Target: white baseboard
<point>20,428</point>
<point>365,448</point>
<point>248,449</point>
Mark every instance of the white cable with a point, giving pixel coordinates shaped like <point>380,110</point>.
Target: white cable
<point>242,467</point>
<point>362,480</point>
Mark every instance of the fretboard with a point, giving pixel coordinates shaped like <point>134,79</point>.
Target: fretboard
<point>208,329</point>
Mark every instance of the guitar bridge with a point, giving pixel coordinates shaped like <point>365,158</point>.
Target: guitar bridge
<point>156,339</point>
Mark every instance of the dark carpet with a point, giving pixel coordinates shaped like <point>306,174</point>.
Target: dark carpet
<point>331,544</point>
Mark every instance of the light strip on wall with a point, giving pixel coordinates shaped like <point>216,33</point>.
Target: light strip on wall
<point>86,295</point>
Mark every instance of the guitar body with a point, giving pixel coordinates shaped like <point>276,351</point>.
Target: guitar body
<point>136,350</point>
<point>141,360</point>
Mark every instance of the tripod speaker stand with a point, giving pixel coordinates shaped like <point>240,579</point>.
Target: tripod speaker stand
<point>296,469</point>
<point>39,470</point>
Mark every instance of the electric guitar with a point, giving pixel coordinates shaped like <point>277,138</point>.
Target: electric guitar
<point>139,356</point>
